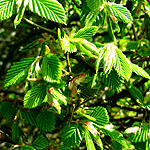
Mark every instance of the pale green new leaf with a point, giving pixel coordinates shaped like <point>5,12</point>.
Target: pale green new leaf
<point>49,9</point>
<point>123,66</point>
<point>35,97</point>
<point>89,142</point>
<point>72,135</point>
<point>94,4</point>
<point>7,8</point>
<point>113,80</point>
<point>46,121</point>
<point>121,13</point>
<point>20,12</point>
<point>101,116</point>
<point>86,32</point>
<point>139,71</point>
<point>18,72</point>
<point>27,147</point>
<point>40,142</point>
<point>51,68</point>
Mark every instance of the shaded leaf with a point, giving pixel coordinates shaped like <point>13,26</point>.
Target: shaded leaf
<point>46,121</point>
<point>94,4</point>
<point>40,142</point>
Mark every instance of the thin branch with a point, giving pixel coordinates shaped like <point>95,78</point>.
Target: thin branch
<point>41,27</point>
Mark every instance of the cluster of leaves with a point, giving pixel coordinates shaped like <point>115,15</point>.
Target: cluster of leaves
<point>57,89</point>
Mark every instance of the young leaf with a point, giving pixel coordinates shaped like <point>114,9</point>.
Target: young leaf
<point>18,72</point>
<point>64,147</point>
<point>35,96</point>
<point>72,135</point>
<point>40,142</point>
<point>121,13</point>
<point>86,32</point>
<point>20,12</point>
<point>7,9</point>
<point>116,146</point>
<point>94,4</point>
<point>46,121</point>
<point>139,71</point>
<point>101,116</point>
<point>113,80</point>
<point>89,141</point>
<point>49,9</point>
<point>123,65</point>
<point>51,68</point>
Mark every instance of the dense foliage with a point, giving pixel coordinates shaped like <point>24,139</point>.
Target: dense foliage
<point>75,74</point>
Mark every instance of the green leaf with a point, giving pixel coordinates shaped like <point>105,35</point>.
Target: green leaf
<point>139,71</point>
<point>40,142</point>
<point>16,132</point>
<point>7,9</point>
<point>116,146</point>
<point>113,80</point>
<point>141,134</point>
<point>30,116</point>
<point>49,9</point>
<point>94,4</point>
<point>51,68</point>
<point>67,45</point>
<point>27,147</point>
<point>8,109</point>
<point>18,72</point>
<point>46,121</point>
<point>35,97</point>
<point>64,147</point>
<point>86,32</point>
<point>101,116</point>
<point>136,93</point>
<point>121,13</point>
<point>115,135</point>
<point>72,135</point>
<point>20,12</point>
<point>89,141</point>
<point>123,66</point>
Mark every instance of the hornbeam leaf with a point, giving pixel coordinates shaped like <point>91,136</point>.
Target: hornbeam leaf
<point>7,8</point>
<point>40,142</point>
<point>89,141</point>
<point>72,135</point>
<point>49,9</point>
<point>94,4</point>
<point>18,72</point>
<point>121,13</point>
<point>123,66</point>
<point>46,121</point>
<point>101,116</point>
<point>35,97</point>
<point>51,68</point>
<point>139,71</point>
<point>86,32</point>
